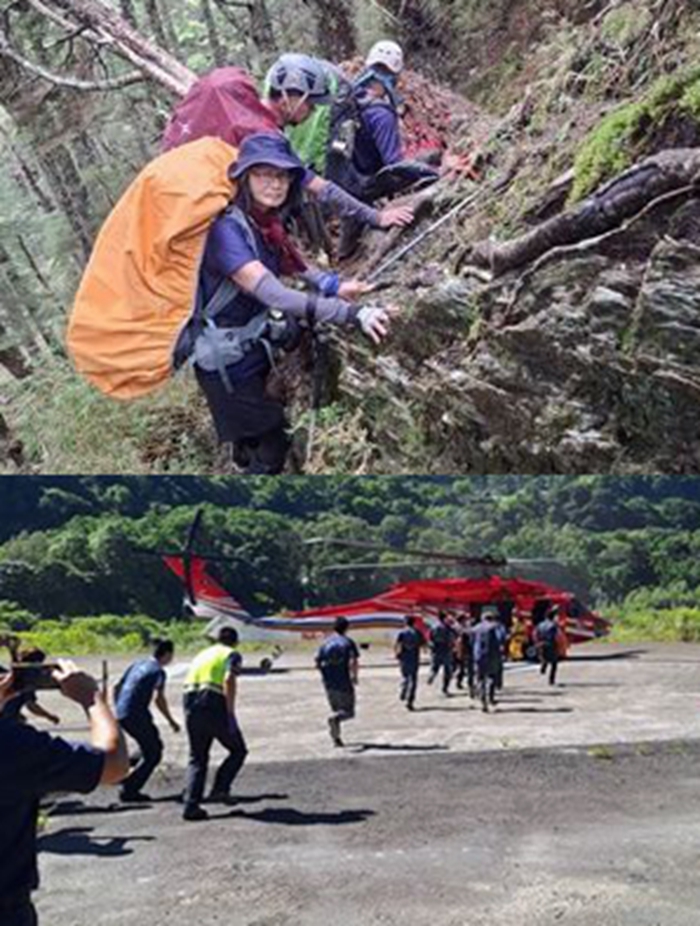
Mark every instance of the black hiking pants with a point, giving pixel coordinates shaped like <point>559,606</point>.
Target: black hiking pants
<point>206,723</point>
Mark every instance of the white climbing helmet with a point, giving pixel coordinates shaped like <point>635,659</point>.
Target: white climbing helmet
<point>388,54</point>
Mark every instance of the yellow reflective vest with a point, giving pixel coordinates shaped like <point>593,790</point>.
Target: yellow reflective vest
<point>208,669</point>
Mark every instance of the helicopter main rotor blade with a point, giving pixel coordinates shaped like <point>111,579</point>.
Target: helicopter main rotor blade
<point>489,561</point>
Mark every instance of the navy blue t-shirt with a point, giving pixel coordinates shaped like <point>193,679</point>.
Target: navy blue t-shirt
<point>137,686</point>
<point>442,638</point>
<point>378,140</point>
<point>334,658</point>
<point>227,250</point>
<point>32,765</point>
<point>409,641</point>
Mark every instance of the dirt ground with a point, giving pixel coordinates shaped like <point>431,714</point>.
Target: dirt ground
<point>578,804</point>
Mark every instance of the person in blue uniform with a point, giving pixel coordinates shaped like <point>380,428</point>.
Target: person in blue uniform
<point>407,650</point>
<point>143,683</point>
<point>488,657</point>
<point>442,644</point>
<point>338,662</point>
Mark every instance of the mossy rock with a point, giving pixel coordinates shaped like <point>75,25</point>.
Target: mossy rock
<point>668,115</point>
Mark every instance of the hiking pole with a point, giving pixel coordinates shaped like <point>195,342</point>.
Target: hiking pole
<point>407,248</point>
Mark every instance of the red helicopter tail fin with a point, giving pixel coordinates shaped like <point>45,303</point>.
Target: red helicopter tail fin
<point>206,597</point>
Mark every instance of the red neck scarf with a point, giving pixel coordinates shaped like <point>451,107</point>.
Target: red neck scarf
<point>271,227</point>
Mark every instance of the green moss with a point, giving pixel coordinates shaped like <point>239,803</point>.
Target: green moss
<point>619,139</point>
<point>626,24</point>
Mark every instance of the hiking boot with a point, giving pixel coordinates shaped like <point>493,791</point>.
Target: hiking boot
<point>194,812</point>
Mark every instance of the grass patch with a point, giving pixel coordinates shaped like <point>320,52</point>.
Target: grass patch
<point>67,427</point>
<point>673,625</point>
<point>114,635</point>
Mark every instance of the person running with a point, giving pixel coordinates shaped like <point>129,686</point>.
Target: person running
<point>143,683</point>
<point>442,644</point>
<point>338,662</point>
<point>211,689</point>
<point>547,642</point>
<point>249,314</point>
<point>464,654</point>
<point>488,658</point>
<point>407,650</point>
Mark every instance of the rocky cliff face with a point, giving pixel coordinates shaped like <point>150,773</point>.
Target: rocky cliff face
<point>588,360</point>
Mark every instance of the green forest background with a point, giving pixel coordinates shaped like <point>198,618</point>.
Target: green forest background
<point>72,579</point>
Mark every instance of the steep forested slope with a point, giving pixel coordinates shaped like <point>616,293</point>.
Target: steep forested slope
<point>586,360</point>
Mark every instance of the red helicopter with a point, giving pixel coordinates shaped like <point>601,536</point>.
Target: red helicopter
<point>515,598</point>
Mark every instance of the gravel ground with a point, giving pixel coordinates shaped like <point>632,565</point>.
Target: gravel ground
<point>578,804</point>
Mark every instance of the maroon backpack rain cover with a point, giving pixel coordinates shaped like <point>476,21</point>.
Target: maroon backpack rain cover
<point>224,103</point>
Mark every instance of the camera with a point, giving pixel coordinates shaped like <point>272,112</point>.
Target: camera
<point>32,676</point>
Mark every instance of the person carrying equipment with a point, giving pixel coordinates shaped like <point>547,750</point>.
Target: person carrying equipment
<point>338,662</point>
<point>133,695</point>
<point>365,154</point>
<point>407,650</point>
<point>225,104</point>
<point>247,316</point>
<point>488,657</point>
<point>210,714</point>
<point>442,643</point>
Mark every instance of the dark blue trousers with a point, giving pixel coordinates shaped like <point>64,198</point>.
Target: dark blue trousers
<point>142,729</point>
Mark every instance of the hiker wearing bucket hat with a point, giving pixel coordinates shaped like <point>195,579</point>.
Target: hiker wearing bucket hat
<point>247,314</point>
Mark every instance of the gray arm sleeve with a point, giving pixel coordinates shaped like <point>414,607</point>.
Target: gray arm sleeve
<point>275,295</point>
<point>312,277</point>
<point>344,204</point>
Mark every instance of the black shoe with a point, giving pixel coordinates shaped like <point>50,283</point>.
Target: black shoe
<point>220,797</point>
<point>194,812</point>
<point>334,729</point>
<point>134,797</point>
<point>410,706</point>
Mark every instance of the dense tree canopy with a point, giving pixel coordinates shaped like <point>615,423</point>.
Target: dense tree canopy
<point>71,545</point>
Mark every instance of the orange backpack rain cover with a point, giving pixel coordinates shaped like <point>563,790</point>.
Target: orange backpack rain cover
<point>139,287</point>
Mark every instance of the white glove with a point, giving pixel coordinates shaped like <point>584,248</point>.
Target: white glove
<point>374,322</point>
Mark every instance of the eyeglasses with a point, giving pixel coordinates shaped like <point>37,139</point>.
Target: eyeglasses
<point>269,176</point>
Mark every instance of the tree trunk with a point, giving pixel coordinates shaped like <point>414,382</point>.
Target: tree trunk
<point>425,32</point>
<point>261,31</point>
<point>155,22</point>
<point>30,178</point>
<point>335,32</point>
<point>126,42</point>
<point>128,12</point>
<point>217,50</point>
<point>72,194</point>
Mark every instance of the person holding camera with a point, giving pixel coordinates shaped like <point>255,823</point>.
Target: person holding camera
<point>27,698</point>
<point>34,764</point>
<point>247,315</point>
